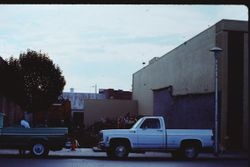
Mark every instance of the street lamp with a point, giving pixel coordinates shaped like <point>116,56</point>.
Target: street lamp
<point>216,51</point>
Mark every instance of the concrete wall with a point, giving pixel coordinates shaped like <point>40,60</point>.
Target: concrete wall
<point>183,68</point>
<point>95,110</point>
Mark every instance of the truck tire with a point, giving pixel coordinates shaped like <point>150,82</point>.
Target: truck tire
<point>118,151</point>
<point>39,149</point>
<point>190,151</point>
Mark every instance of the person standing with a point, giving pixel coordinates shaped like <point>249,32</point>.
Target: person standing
<point>24,123</point>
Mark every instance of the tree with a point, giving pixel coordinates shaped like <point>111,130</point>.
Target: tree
<point>3,69</point>
<point>12,82</point>
<point>35,82</point>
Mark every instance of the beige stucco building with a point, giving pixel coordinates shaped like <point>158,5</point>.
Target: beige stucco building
<point>180,84</point>
<point>96,109</point>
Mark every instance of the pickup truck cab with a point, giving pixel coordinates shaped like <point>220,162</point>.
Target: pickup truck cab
<point>150,134</point>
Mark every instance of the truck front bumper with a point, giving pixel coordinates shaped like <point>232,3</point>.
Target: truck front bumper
<point>100,147</point>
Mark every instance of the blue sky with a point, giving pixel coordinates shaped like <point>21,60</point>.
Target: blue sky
<point>105,44</point>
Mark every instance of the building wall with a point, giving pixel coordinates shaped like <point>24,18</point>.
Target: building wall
<point>235,88</point>
<point>232,37</point>
<point>246,94</point>
<point>183,68</point>
<point>222,42</point>
<point>77,99</point>
<point>192,111</point>
<point>189,71</point>
<point>95,110</point>
<point>116,94</point>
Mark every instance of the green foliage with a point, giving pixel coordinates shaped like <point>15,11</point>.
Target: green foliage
<point>34,81</point>
<point>14,85</point>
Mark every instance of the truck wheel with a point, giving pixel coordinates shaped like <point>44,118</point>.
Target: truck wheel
<point>39,150</point>
<point>190,151</point>
<point>118,151</point>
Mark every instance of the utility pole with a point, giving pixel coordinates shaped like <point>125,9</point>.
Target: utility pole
<point>95,91</point>
<point>95,86</point>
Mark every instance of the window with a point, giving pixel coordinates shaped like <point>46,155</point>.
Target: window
<point>151,124</point>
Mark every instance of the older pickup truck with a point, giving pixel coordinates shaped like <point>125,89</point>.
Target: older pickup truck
<point>38,140</point>
<point>150,134</point>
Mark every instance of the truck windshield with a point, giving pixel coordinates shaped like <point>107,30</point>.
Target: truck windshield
<point>136,124</point>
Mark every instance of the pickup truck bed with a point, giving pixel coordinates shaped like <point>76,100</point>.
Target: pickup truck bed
<point>38,140</point>
<point>175,136</point>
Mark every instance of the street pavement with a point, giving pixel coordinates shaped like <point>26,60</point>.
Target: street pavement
<point>86,157</point>
<point>88,152</point>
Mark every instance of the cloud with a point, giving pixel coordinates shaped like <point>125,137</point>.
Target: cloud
<point>234,12</point>
<point>105,44</point>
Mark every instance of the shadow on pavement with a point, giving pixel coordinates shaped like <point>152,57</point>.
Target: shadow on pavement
<point>138,159</point>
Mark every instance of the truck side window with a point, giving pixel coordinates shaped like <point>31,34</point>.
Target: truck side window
<point>151,124</point>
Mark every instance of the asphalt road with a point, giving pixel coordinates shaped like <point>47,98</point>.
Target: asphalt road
<point>102,161</point>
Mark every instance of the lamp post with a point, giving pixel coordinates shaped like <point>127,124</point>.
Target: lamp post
<point>216,51</point>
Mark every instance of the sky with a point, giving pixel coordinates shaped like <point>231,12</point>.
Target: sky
<point>104,45</point>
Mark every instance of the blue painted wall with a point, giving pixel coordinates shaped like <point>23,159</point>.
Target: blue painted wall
<point>186,111</point>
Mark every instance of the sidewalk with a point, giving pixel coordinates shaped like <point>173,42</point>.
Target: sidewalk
<point>88,152</point>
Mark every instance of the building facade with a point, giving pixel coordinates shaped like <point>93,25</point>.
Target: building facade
<point>77,101</point>
<point>180,84</point>
<point>116,94</point>
<point>112,109</point>
<point>88,108</point>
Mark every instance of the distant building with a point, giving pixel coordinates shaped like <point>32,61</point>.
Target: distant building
<point>180,84</point>
<point>77,104</point>
<point>87,108</point>
<point>77,99</point>
<point>111,109</point>
<point>116,94</point>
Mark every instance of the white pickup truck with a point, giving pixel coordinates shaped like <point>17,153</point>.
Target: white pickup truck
<point>150,134</point>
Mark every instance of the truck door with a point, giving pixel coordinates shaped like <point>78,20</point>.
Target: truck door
<point>151,135</point>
